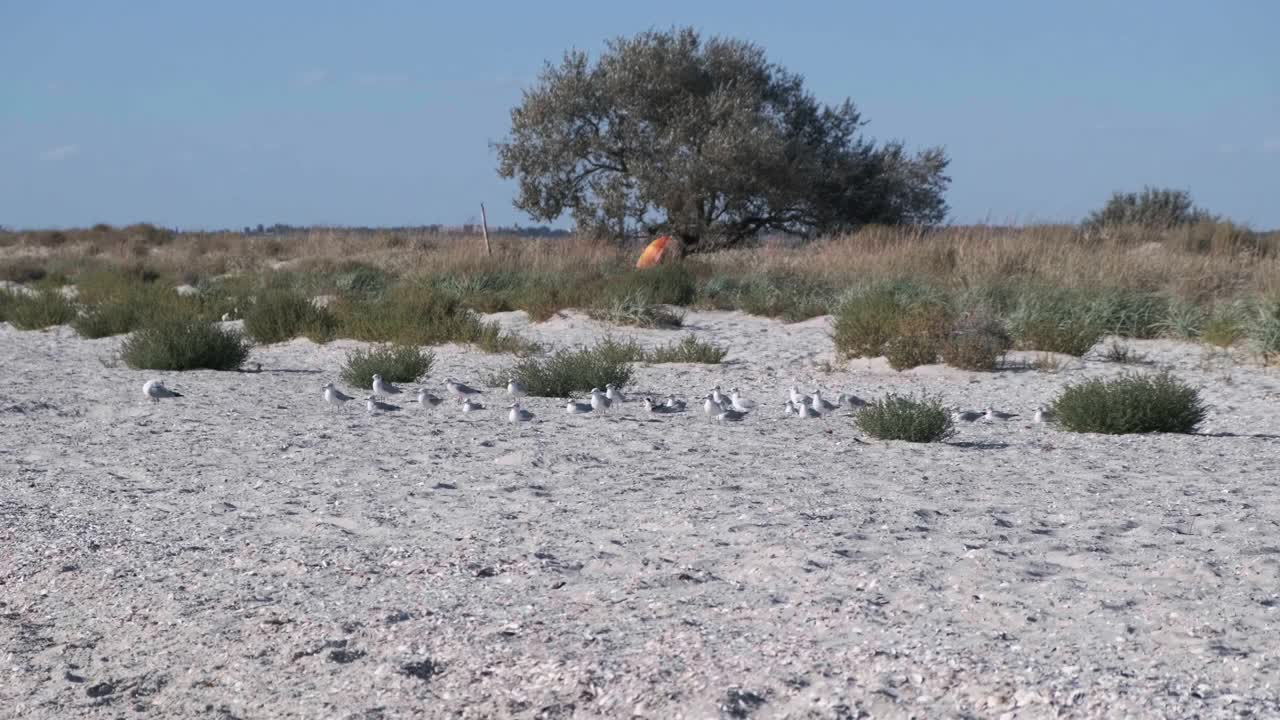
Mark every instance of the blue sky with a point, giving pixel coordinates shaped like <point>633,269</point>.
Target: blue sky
<point>210,115</point>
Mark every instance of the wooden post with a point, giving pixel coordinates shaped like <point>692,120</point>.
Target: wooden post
<point>484,228</point>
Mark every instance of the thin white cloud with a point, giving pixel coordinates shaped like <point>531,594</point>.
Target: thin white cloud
<point>1271,145</point>
<point>312,77</point>
<point>62,152</point>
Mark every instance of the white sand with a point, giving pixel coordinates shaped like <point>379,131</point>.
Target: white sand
<point>250,551</point>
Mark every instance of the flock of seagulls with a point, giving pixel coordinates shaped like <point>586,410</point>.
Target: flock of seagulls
<point>731,407</point>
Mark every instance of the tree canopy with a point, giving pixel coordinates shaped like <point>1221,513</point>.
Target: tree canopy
<point>708,141</point>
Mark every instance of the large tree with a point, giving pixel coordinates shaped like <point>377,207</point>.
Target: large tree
<point>708,141</point>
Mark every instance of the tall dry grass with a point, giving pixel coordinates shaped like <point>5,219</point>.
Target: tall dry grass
<point>1204,263</point>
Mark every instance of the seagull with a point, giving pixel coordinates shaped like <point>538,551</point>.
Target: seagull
<point>730,415</point>
<point>991,414</point>
<point>458,389</point>
<point>1044,415</point>
<point>737,403</point>
<point>807,411</point>
<point>577,408</point>
<point>852,401</point>
<point>155,390</point>
<point>469,405</point>
<point>658,409</point>
<point>822,405</point>
<point>373,405</point>
<point>718,397</point>
<point>614,394</point>
<point>382,388</point>
<point>790,408</point>
<point>514,388</point>
<point>518,414</point>
<point>226,317</point>
<point>965,415</point>
<point>599,401</point>
<point>426,398</point>
<point>710,406</point>
<point>798,398</point>
<point>673,403</point>
<point>334,396</point>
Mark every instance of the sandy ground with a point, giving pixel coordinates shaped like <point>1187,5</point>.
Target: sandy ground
<point>249,552</point>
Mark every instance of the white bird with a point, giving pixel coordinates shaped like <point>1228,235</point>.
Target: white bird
<point>226,317</point>
<point>850,400</point>
<point>991,414</point>
<point>797,397</point>
<point>965,415</point>
<point>334,396</point>
<point>577,408</point>
<point>807,411</point>
<point>373,405</point>
<point>155,389</point>
<point>822,405</point>
<point>514,388</point>
<point>737,403</point>
<point>1044,415</point>
<point>518,414</point>
<point>730,415</point>
<point>459,389</point>
<point>426,398</point>
<point>790,408</point>
<point>614,394</point>
<point>599,401</point>
<point>674,403</point>
<point>469,405</point>
<point>659,409</point>
<point>718,397</point>
<point>710,406</point>
<point>382,388</point>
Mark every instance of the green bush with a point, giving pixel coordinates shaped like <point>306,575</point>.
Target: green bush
<point>280,315</point>
<point>420,315</point>
<point>895,417</point>
<point>1153,208</point>
<point>780,295</point>
<point>118,303</point>
<point>36,311</point>
<point>1226,325</point>
<point>1130,404</point>
<point>566,372</point>
<point>977,341</point>
<point>184,343</point>
<point>1129,314</point>
<point>866,322</point>
<point>1183,321</point>
<point>395,363</point>
<point>664,284</point>
<point>688,350</point>
<point>1264,329</point>
<point>1055,321</point>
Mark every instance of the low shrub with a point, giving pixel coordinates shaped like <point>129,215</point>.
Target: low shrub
<point>687,350</point>
<point>1226,325</point>
<point>395,363</point>
<point>866,322</point>
<point>1183,321</point>
<point>977,341</point>
<point>566,372</point>
<point>1118,352</point>
<point>635,308</point>
<point>896,417</point>
<point>36,311</point>
<point>1264,329</point>
<point>1129,313</point>
<point>420,315</point>
<point>279,315</point>
<point>1130,404</point>
<point>184,343</point>
<point>1054,322</point>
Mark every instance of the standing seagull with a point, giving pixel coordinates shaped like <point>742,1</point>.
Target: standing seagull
<point>518,414</point>
<point>1044,415</point>
<point>374,405</point>
<point>790,408</point>
<point>599,401</point>
<point>797,398</point>
<point>614,394</point>
<point>382,388</point>
<point>155,389</point>
<point>822,405</point>
<point>718,397</point>
<point>458,389</point>
<point>710,406</point>
<point>334,396</point>
<point>514,388</point>
<point>737,403</point>
<point>806,411</point>
<point>426,398</point>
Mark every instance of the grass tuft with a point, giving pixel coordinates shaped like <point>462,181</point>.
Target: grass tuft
<point>1130,404</point>
<point>37,311</point>
<point>567,372</point>
<point>687,350</point>
<point>896,417</point>
<point>184,343</point>
<point>278,315</point>
<point>395,363</point>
